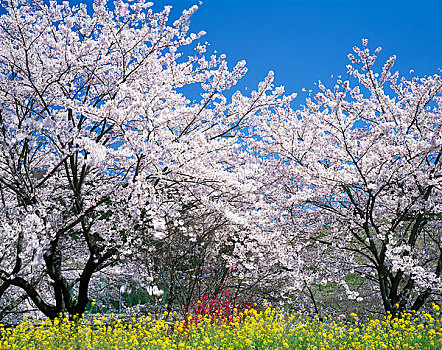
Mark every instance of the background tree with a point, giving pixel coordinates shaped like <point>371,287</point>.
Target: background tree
<point>191,260</point>
<point>357,175</point>
<point>95,103</point>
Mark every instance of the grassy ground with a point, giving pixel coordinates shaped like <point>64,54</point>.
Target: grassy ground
<point>251,329</point>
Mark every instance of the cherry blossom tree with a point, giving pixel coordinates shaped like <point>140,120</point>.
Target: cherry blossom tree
<point>357,176</point>
<point>189,261</point>
<point>98,140</point>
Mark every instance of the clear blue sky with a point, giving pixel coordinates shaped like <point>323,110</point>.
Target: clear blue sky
<point>307,40</point>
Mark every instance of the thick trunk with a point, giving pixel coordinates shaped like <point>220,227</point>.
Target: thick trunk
<point>49,311</point>
<point>397,301</point>
<point>384,288</point>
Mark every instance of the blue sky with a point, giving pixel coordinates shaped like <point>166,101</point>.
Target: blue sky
<point>304,41</point>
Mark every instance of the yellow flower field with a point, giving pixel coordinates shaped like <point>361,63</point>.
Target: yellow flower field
<point>251,329</point>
